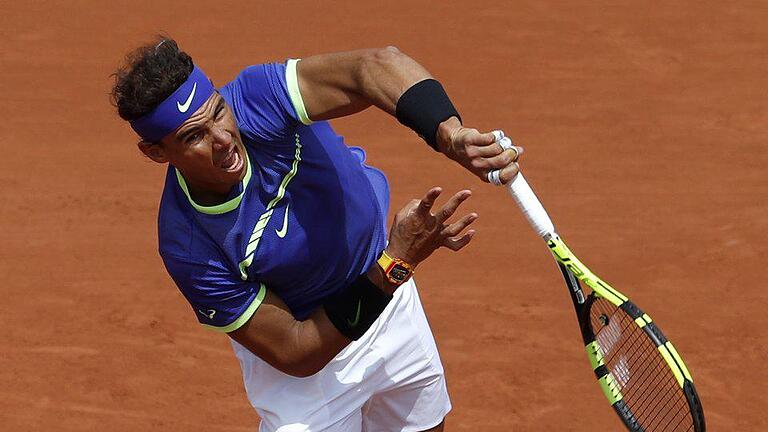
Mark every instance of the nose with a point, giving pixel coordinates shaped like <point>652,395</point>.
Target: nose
<point>221,137</point>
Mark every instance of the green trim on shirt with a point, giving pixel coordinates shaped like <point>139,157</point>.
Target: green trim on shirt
<point>245,316</point>
<point>223,207</point>
<point>292,80</point>
<point>258,230</point>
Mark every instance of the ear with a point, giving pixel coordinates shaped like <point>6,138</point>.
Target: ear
<point>153,151</point>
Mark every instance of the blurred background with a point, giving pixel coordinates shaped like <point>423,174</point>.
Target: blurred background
<point>645,130</point>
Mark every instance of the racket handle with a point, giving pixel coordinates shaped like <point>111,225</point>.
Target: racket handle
<point>531,206</point>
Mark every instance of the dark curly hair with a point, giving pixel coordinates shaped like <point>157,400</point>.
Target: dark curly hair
<point>150,74</point>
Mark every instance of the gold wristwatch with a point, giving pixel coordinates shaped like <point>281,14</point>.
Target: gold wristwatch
<point>396,270</point>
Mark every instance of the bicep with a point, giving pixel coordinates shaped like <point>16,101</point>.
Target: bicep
<point>298,348</point>
<point>328,84</point>
<point>339,84</point>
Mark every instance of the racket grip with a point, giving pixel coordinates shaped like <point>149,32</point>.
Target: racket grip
<point>531,206</point>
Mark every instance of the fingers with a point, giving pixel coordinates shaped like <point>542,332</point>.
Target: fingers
<point>506,144</point>
<point>508,173</point>
<point>492,177</point>
<point>447,210</point>
<point>455,244</point>
<point>481,145</point>
<point>496,155</point>
<point>505,158</point>
<point>455,228</point>
<point>484,146</point>
<point>483,151</point>
<point>503,168</point>
<point>425,205</point>
<point>484,139</point>
<point>502,176</point>
<point>450,232</point>
<point>498,134</point>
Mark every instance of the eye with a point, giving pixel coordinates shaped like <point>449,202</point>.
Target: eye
<point>219,112</point>
<point>194,137</point>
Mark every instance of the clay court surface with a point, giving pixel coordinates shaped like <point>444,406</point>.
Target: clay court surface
<point>645,128</point>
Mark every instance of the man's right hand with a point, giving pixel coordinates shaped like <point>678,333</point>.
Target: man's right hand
<point>479,153</point>
<point>417,232</point>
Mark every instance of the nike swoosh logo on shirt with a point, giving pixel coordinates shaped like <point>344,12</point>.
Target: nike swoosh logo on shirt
<point>357,316</point>
<point>183,108</point>
<point>284,230</point>
<point>208,314</point>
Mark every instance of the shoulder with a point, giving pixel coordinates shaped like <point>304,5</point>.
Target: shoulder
<point>266,101</point>
<point>175,222</point>
<point>258,83</point>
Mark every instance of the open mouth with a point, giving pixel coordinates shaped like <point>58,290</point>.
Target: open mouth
<point>233,161</point>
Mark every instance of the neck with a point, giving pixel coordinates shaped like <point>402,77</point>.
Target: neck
<point>208,196</point>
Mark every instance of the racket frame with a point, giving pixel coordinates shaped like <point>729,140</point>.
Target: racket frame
<point>575,272</point>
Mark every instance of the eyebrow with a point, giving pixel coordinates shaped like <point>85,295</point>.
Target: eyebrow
<point>184,135</point>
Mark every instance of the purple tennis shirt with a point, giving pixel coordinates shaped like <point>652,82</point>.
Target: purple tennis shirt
<point>307,219</point>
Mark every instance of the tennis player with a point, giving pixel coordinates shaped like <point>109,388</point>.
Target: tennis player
<point>274,229</point>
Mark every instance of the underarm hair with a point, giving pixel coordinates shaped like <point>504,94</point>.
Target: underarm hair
<point>354,309</point>
<point>423,107</point>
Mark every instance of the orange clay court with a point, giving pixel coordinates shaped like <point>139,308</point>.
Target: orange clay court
<point>645,128</point>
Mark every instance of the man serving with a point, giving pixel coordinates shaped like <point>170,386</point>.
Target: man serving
<point>274,230</point>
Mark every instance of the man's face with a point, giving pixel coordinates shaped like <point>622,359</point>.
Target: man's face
<point>206,148</point>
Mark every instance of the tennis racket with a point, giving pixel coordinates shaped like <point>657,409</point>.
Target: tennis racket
<point>638,369</point>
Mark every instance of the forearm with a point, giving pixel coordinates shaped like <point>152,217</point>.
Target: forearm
<point>302,348</point>
<point>317,340</point>
<point>314,344</point>
<point>296,348</point>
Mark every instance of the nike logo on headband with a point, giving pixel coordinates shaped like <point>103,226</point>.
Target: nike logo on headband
<point>183,108</point>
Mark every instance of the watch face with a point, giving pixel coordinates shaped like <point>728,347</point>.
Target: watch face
<point>399,273</point>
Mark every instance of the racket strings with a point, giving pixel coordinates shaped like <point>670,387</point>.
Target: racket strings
<point>647,384</point>
<point>654,405</point>
<point>652,408</point>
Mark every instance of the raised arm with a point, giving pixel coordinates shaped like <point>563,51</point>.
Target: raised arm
<point>340,84</point>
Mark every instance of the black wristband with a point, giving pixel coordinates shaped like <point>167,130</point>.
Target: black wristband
<point>423,107</point>
<point>354,309</point>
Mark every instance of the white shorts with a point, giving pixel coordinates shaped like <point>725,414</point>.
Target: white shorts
<point>389,380</point>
